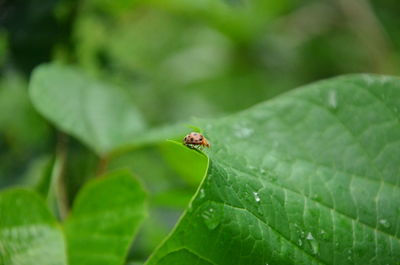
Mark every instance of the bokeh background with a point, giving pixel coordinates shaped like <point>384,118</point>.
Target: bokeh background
<point>177,59</point>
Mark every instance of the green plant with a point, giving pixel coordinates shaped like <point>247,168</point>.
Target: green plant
<point>309,177</point>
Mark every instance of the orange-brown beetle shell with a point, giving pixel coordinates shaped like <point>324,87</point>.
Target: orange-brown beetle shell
<point>195,138</point>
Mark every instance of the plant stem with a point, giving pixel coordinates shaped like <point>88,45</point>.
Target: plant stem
<point>58,192</point>
<point>364,23</point>
<point>102,165</point>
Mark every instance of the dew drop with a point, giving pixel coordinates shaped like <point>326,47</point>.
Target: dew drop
<point>332,99</point>
<point>300,242</point>
<point>315,197</point>
<point>243,132</point>
<point>314,246</point>
<point>313,243</point>
<point>202,193</point>
<point>384,223</point>
<point>256,196</point>
<point>310,236</point>
<point>368,79</point>
<point>209,219</point>
<point>212,215</point>
<point>273,178</point>
<point>323,235</point>
<point>350,257</point>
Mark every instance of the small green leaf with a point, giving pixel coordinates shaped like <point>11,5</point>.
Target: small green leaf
<point>152,136</point>
<point>105,217</point>
<point>29,234</point>
<point>101,116</point>
<point>175,199</point>
<point>190,164</point>
<point>311,177</point>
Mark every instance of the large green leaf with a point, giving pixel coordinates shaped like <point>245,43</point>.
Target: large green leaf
<point>101,116</point>
<point>29,234</point>
<point>311,177</point>
<point>105,217</point>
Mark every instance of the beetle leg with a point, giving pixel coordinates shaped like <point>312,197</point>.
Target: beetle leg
<point>191,146</point>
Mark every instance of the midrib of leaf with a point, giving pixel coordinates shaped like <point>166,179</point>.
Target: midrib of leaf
<point>96,216</point>
<point>87,122</point>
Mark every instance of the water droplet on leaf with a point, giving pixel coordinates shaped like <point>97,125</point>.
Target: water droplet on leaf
<point>212,215</point>
<point>323,235</point>
<point>202,193</point>
<point>314,246</point>
<point>350,257</point>
<point>243,132</point>
<point>332,99</point>
<point>300,242</point>
<point>384,223</point>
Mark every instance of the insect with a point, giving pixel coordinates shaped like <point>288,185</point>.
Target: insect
<point>195,139</point>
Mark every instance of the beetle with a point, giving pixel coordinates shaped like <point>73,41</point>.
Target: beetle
<point>194,139</point>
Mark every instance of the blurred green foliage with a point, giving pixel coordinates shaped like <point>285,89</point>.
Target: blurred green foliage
<point>176,59</point>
